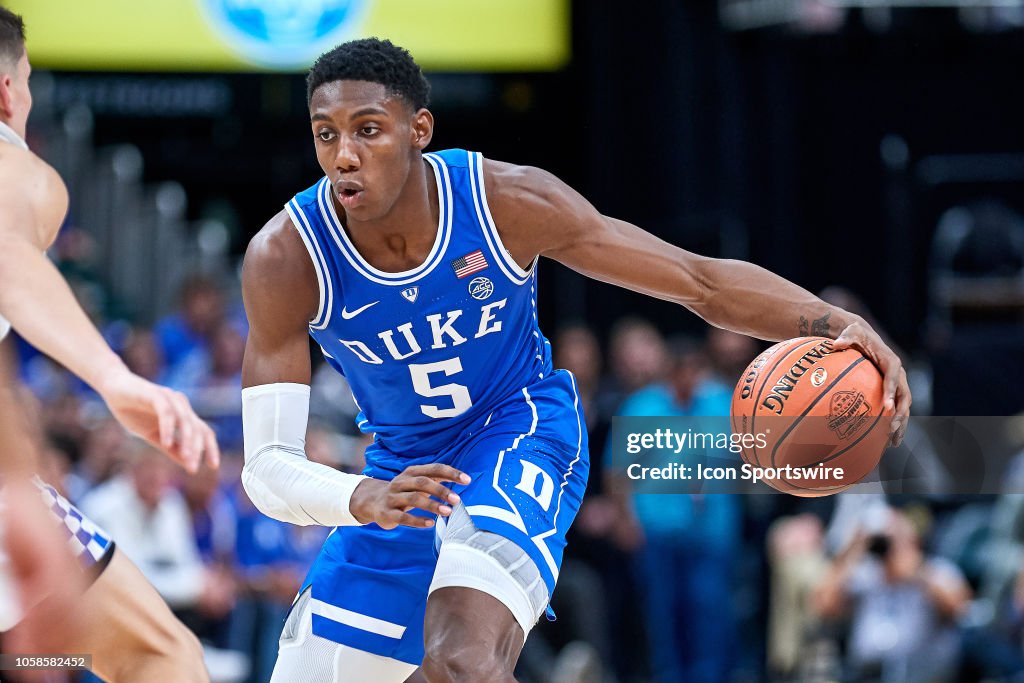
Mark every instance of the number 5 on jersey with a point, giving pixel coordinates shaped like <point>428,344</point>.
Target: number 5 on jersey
<point>458,393</point>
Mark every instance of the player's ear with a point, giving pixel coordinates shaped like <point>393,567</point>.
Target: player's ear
<point>422,128</point>
<point>5,95</point>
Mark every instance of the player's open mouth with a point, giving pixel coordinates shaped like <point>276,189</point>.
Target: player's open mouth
<point>349,196</point>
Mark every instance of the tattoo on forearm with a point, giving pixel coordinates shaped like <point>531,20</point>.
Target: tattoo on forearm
<point>817,328</point>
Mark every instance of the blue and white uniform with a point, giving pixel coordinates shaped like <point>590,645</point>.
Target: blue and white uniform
<point>447,364</point>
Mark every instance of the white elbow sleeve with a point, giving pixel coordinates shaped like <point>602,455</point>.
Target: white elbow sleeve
<point>279,479</point>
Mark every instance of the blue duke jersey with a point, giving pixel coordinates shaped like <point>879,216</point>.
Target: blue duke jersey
<point>447,364</point>
<point>430,350</point>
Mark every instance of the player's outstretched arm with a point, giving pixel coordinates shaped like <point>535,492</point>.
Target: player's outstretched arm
<point>40,306</point>
<point>279,287</point>
<point>539,214</point>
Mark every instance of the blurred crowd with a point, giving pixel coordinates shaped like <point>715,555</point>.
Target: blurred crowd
<point>914,586</point>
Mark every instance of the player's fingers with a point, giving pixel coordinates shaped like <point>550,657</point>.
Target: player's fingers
<point>850,337</point>
<point>198,439</point>
<point>440,472</point>
<point>186,444</point>
<point>893,370</point>
<point>165,421</point>
<point>428,486</point>
<point>422,501</point>
<point>903,402</point>
<point>406,519</point>
<point>211,450</point>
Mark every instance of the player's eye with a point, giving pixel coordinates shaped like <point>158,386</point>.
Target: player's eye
<point>325,135</point>
<point>369,131</point>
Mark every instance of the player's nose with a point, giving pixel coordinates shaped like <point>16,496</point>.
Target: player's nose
<point>347,158</point>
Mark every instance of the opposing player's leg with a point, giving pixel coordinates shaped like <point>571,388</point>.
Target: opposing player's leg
<point>501,549</point>
<point>130,632</point>
<point>304,656</point>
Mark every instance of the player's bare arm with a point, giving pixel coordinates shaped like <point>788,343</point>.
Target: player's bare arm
<point>33,294</point>
<point>537,214</point>
<point>280,290</point>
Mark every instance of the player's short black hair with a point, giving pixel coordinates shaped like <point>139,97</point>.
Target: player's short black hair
<point>374,60</point>
<point>12,38</point>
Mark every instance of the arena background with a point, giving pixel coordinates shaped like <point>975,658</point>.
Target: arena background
<point>874,148</point>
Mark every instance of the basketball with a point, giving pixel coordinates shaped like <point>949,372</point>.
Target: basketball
<point>814,414</point>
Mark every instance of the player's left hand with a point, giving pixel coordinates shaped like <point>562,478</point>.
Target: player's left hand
<point>895,390</point>
<point>161,417</point>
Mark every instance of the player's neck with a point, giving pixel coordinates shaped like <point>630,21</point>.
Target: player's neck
<point>402,238</point>
<point>12,136</point>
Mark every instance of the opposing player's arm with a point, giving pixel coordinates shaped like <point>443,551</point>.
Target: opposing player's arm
<point>279,287</point>
<point>539,214</point>
<point>40,306</point>
<point>32,292</point>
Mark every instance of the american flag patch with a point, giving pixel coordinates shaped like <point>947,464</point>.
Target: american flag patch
<point>469,264</point>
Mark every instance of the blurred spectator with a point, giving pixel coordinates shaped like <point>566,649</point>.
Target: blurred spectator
<point>605,533</point>
<point>796,552</point>
<point>213,524</point>
<point>272,558</point>
<point>213,382</point>
<point>142,354</point>
<point>212,514</point>
<point>100,458</point>
<point>150,522</point>
<point>903,605</point>
<point>186,334</point>
<point>729,353</point>
<point>637,355</point>
<point>691,542</point>
<point>330,400</point>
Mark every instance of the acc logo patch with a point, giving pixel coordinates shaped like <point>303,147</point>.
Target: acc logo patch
<point>480,288</point>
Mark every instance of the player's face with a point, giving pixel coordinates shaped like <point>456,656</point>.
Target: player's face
<point>367,141</point>
<point>16,97</point>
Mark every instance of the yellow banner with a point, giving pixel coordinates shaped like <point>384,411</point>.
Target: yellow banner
<point>287,35</point>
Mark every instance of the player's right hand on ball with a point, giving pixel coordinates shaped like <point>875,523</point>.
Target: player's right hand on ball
<point>387,503</point>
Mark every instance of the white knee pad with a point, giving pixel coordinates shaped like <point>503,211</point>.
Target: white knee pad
<point>473,558</point>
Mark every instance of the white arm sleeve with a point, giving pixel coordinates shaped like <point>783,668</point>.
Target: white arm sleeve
<point>279,479</point>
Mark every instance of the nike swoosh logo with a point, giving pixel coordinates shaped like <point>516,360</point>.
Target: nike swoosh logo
<point>348,315</point>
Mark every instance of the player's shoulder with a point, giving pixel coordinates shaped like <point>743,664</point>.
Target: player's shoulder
<point>24,172</point>
<point>276,246</point>
<point>515,190</point>
<point>276,260</point>
<point>32,189</point>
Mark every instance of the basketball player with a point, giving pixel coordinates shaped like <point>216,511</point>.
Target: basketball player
<point>120,620</point>
<point>416,275</point>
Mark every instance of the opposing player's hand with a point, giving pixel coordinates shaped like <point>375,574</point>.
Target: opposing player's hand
<point>895,389</point>
<point>163,418</point>
<point>387,503</point>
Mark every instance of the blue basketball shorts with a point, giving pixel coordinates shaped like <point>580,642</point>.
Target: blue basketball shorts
<point>529,464</point>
